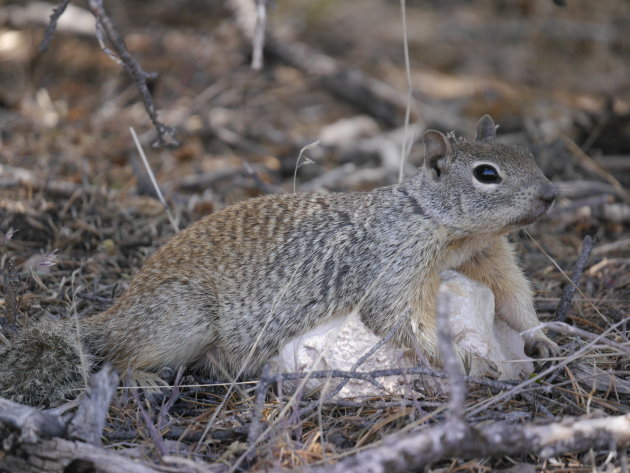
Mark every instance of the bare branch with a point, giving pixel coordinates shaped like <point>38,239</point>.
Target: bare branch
<point>591,166</point>
<point>32,423</point>
<point>58,456</point>
<point>569,290</point>
<point>567,329</point>
<point>52,25</point>
<point>140,77</point>
<point>415,451</point>
<point>375,97</point>
<point>87,425</point>
<point>156,187</point>
<point>457,397</point>
<point>155,435</point>
<point>113,44</point>
<point>255,428</point>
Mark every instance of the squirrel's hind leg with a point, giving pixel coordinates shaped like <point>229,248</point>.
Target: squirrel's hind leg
<point>168,325</point>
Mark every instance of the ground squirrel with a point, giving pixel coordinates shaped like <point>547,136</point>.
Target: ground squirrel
<point>225,294</point>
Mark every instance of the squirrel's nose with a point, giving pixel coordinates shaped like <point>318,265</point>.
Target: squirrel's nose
<point>548,193</point>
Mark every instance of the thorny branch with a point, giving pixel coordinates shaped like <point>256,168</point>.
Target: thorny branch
<point>113,44</point>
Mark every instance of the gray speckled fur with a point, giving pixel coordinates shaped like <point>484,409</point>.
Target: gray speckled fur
<point>227,292</point>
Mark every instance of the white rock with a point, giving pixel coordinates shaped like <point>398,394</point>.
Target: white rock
<point>494,349</point>
<point>499,350</point>
<point>337,345</point>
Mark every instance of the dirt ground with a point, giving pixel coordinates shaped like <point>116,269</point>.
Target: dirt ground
<point>78,214</point>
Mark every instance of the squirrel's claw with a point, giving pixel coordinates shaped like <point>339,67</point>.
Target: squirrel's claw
<point>539,346</point>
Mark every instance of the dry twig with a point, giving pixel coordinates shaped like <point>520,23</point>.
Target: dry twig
<point>156,187</point>
<point>419,449</point>
<point>89,421</point>
<point>155,435</point>
<point>569,290</point>
<point>259,34</point>
<point>590,165</point>
<point>584,188</point>
<point>366,93</point>
<point>457,397</point>
<point>113,44</point>
<point>406,146</point>
<point>52,25</point>
<point>567,329</point>
<point>32,423</point>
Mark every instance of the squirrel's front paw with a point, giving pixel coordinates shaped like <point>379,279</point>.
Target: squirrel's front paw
<point>477,366</point>
<point>539,346</point>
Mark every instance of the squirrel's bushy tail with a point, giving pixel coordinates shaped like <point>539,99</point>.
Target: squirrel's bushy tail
<point>45,361</point>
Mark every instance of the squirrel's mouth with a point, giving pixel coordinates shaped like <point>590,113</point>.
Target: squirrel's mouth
<point>540,209</point>
<point>523,221</point>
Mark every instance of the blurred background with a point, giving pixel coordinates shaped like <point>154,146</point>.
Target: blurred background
<point>542,71</point>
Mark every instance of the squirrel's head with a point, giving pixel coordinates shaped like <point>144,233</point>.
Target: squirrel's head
<point>483,185</point>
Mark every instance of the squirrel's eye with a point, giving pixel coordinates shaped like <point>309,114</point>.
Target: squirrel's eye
<point>486,174</point>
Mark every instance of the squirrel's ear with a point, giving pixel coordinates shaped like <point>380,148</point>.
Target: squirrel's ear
<point>486,129</point>
<point>436,151</point>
